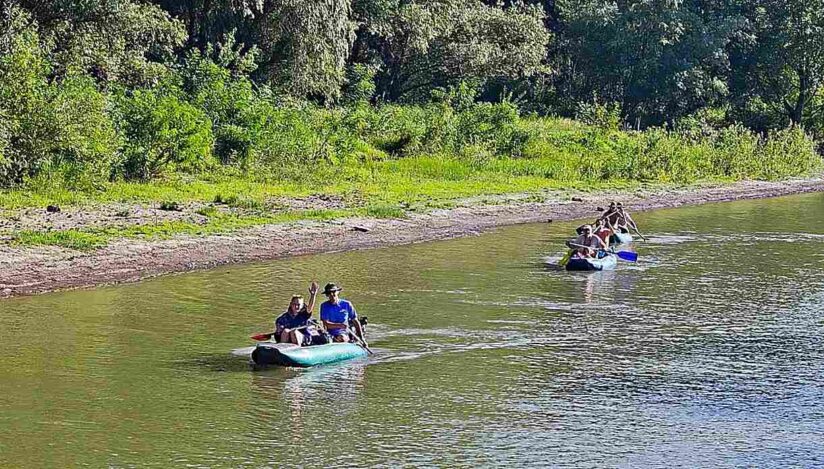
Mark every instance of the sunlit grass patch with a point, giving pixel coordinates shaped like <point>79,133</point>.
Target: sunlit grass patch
<point>72,239</point>
<point>85,239</point>
<point>385,211</point>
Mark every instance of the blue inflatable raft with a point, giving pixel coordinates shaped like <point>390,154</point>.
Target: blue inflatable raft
<point>270,353</point>
<point>608,262</point>
<point>620,238</point>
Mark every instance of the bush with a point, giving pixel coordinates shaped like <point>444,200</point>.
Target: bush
<point>28,130</point>
<point>604,116</point>
<point>87,143</point>
<point>163,133</point>
<point>360,84</point>
<point>494,126</point>
<point>233,144</point>
<point>60,127</point>
<point>229,102</point>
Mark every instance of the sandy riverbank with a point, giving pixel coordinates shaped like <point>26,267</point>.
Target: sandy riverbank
<point>32,270</point>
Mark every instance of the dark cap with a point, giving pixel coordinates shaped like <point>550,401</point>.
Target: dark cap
<point>331,287</point>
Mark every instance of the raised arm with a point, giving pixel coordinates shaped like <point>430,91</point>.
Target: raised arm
<point>313,293</point>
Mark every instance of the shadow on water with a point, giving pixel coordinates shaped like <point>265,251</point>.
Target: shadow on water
<point>237,360</point>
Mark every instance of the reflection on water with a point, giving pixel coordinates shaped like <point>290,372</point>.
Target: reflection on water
<point>707,352</point>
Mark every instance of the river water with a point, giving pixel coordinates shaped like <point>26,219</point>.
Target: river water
<point>707,352</point>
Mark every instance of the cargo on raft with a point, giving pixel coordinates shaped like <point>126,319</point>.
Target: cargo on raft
<point>270,353</point>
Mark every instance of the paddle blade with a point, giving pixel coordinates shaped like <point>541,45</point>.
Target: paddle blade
<point>564,260</point>
<point>265,336</point>
<point>628,255</point>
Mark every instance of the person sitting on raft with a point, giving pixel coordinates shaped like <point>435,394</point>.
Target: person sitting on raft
<point>625,219</point>
<point>603,230</point>
<point>610,213</point>
<point>294,325</point>
<point>587,244</point>
<point>338,315</point>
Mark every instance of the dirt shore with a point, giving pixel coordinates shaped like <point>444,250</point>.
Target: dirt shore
<point>27,271</point>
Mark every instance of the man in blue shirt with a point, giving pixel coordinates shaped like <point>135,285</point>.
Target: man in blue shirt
<point>338,315</point>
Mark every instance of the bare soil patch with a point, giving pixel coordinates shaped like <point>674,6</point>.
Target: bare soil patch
<point>32,270</point>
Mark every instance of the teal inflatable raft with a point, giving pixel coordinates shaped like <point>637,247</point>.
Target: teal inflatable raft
<point>270,353</point>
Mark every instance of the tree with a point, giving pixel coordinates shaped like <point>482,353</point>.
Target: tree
<point>784,63</point>
<point>305,45</point>
<point>658,59</point>
<point>124,41</point>
<point>59,124</point>
<point>424,44</point>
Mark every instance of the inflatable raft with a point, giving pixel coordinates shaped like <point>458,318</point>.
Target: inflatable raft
<point>270,353</point>
<point>620,238</point>
<point>608,262</point>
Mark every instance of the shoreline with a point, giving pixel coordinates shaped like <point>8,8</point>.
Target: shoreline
<point>35,270</point>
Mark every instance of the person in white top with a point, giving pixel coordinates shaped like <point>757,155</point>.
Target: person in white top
<point>587,244</point>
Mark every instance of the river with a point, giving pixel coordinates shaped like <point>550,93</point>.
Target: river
<point>707,352</point>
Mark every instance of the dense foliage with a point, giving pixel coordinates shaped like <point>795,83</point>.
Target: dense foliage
<point>669,90</point>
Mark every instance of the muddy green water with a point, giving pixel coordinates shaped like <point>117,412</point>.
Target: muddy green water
<point>697,356</point>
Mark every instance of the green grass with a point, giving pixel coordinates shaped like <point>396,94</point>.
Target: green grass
<point>385,211</point>
<point>85,239</point>
<point>179,188</point>
<point>437,164</point>
<point>72,239</point>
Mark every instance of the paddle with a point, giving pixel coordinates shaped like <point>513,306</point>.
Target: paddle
<point>625,255</point>
<point>631,223</point>
<point>359,341</point>
<point>639,233</point>
<point>264,336</point>
<point>565,260</point>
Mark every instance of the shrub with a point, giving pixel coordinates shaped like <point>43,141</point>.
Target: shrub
<point>492,125</point>
<point>59,127</point>
<point>360,84</point>
<point>233,144</point>
<point>229,101</point>
<point>87,143</point>
<point>170,206</point>
<point>605,116</point>
<point>27,130</point>
<point>163,133</point>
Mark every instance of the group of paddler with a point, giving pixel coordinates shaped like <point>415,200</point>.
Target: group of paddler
<point>338,320</point>
<point>594,240</point>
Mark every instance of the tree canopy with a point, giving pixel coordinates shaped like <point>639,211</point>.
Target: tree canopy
<point>760,62</point>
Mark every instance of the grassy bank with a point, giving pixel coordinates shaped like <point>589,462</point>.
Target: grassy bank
<point>393,160</point>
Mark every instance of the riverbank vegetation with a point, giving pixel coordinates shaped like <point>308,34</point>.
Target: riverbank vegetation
<point>391,105</point>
